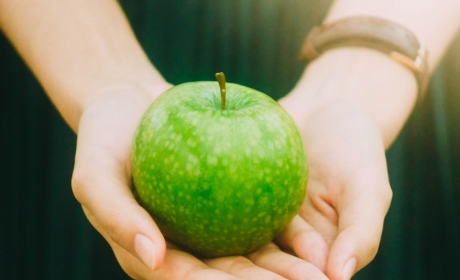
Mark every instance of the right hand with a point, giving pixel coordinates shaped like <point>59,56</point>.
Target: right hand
<point>102,184</point>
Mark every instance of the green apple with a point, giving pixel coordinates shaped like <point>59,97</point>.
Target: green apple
<point>220,175</point>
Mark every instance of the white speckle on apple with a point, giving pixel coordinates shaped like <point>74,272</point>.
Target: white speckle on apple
<point>261,154</point>
<point>158,119</point>
<point>211,160</point>
<point>191,143</point>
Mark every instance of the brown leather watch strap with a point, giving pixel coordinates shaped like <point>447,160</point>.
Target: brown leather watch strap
<point>375,33</point>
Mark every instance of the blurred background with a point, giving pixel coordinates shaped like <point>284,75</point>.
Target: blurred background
<point>43,231</point>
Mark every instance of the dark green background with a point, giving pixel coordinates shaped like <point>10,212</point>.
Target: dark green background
<point>43,232</point>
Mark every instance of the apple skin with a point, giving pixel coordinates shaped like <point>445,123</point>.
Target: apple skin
<point>219,182</point>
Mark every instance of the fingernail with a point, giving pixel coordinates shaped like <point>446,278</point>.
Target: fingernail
<point>348,269</point>
<point>145,249</point>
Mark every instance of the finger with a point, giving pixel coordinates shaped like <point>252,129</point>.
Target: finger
<point>305,242</point>
<point>360,230</point>
<point>242,267</point>
<point>272,258</point>
<point>318,211</point>
<point>130,264</point>
<point>101,186</point>
<point>177,265</point>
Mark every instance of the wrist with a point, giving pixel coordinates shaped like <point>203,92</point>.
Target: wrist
<point>141,88</point>
<point>358,78</point>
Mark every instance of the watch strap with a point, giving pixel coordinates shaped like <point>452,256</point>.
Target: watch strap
<point>383,35</point>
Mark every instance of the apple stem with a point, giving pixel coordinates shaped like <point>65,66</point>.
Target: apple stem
<point>221,80</point>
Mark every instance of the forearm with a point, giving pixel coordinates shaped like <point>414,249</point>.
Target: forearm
<point>76,49</point>
<point>368,80</point>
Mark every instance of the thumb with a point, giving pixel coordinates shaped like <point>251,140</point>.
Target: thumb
<point>99,183</point>
<point>361,217</point>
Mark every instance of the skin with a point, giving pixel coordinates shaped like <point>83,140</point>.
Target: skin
<point>350,104</point>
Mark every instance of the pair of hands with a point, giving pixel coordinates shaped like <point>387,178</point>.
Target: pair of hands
<point>336,232</point>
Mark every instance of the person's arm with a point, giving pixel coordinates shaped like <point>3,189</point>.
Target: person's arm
<point>386,89</point>
<point>77,49</point>
<point>350,105</point>
<point>86,57</point>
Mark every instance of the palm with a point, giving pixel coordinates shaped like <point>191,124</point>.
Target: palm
<point>347,189</point>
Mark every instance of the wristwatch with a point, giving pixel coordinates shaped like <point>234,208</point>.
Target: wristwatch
<point>380,34</point>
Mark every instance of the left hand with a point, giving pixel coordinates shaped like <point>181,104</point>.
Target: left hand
<point>340,223</point>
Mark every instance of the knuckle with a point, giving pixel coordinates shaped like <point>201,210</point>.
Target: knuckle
<point>259,255</point>
<point>192,271</point>
<point>386,195</point>
<point>78,184</point>
<point>305,235</point>
<point>389,195</point>
<point>240,263</point>
<point>256,256</point>
<point>372,248</point>
<point>112,226</point>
